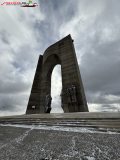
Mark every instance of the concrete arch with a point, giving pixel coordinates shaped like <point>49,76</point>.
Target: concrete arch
<point>62,53</point>
<point>48,66</point>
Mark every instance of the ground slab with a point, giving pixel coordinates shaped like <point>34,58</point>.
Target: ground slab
<point>68,136</point>
<point>37,143</point>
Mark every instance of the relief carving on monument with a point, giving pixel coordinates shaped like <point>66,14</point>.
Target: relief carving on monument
<point>48,103</point>
<point>71,95</point>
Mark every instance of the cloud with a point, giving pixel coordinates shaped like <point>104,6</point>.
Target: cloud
<point>56,86</point>
<point>14,84</point>
<point>25,33</point>
<point>4,36</point>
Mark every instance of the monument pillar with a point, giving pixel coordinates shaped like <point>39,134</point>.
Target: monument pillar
<point>73,95</point>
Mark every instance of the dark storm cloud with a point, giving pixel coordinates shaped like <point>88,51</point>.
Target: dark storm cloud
<point>4,36</point>
<point>101,66</point>
<point>101,74</point>
<point>97,98</point>
<point>12,102</point>
<point>94,25</point>
<point>100,58</point>
<point>14,84</point>
<point>27,57</point>
<point>100,70</point>
<point>107,107</point>
<point>8,103</point>
<point>56,13</point>
<point>43,30</point>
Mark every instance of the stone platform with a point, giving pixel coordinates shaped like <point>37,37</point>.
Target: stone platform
<point>69,115</point>
<point>98,120</point>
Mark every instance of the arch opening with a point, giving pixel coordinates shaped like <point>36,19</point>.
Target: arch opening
<point>56,86</point>
<point>53,83</point>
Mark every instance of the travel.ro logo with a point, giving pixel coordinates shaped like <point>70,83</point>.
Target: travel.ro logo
<point>30,4</point>
<point>23,4</point>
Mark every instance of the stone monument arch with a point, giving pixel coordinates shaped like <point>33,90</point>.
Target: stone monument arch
<point>72,94</point>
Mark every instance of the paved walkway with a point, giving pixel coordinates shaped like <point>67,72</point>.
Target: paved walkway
<point>37,143</point>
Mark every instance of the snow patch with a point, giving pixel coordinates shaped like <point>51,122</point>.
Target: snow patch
<point>58,128</point>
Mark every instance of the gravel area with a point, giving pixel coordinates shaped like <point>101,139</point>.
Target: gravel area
<point>37,143</point>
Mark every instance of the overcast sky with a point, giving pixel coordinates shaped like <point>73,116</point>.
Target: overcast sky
<point>25,33</point>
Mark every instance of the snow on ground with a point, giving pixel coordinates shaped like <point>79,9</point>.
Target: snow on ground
<point>38,142</point>
<point>60,128</point>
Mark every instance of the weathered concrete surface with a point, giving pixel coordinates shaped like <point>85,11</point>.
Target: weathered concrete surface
<point>35,143</point>
<point>69,115</point>
<point>63,136</point>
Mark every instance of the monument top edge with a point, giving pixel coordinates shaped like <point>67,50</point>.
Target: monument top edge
<point>68,36</point>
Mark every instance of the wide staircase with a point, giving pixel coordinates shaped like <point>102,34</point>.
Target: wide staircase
<point>110,123</point>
